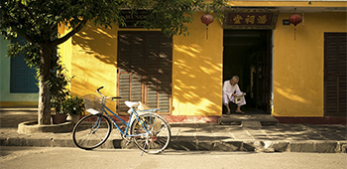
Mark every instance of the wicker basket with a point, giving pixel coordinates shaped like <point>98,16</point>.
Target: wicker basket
<point>93,104</point>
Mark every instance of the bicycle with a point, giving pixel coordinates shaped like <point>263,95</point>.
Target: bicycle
<point>150,131</point>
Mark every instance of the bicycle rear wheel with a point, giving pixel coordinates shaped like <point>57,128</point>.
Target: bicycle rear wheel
<point>159,133</point>
<point>91,131</point>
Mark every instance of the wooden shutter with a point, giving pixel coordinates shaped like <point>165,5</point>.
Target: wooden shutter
<point>335,73</point>
<point>144,69</point>
<point>22,77</point>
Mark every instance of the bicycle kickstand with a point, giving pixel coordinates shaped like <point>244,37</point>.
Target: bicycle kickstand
<point>128,142</point>
<point>146,143</point>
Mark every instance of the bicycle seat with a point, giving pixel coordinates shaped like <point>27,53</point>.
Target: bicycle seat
<point>132,104</point>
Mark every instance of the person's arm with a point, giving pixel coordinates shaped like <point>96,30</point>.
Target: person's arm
<point>224,87</point>
<point>238,91</point>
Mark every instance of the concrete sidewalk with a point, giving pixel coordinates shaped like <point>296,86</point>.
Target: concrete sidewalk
<point>190,137</point>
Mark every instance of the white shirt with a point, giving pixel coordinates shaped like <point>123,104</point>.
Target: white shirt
<point>229,89</point>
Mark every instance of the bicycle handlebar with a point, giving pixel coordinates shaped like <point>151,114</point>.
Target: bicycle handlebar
<point>112,98</point>
<point>97,90</point>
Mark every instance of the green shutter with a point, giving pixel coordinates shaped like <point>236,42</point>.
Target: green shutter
<point>22,77</point>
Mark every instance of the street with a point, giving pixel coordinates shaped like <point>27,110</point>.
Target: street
<point>48,157</point>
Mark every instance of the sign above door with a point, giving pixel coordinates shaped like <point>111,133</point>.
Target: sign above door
<point>250,19</point>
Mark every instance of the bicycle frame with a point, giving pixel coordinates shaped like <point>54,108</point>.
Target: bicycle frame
<point>148,130</point>
<point>133,112</point>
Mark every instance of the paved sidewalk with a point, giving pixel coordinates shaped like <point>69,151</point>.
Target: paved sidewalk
<point>210,137</point>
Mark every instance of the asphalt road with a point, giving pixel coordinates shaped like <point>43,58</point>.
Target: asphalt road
<point>47,157</point>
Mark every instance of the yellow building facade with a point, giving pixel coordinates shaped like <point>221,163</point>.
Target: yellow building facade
<point>91,58</point>
<point>282,70</point>
<point>296,67</point>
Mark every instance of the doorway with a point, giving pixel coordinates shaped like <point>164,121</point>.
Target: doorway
<point>248,54</point>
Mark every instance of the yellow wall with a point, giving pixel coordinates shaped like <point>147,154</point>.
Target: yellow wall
<point>197,70</point>
<point>299,64</point>
<point>91,57</point>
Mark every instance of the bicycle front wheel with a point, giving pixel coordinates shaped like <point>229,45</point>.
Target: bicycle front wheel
<point>158,136</point>
<point>91,131</point>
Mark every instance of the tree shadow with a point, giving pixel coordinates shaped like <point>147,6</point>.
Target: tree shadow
<point>196,67</point>
<point>98,42</point>
<point>192,80</point>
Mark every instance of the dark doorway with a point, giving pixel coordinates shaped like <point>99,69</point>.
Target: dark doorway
<point>248,54</point>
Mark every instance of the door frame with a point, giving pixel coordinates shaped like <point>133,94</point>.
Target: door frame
<point>270,74</point>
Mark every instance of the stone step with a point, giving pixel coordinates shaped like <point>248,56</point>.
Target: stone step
<point>248,120</point>
<point>250,124</point>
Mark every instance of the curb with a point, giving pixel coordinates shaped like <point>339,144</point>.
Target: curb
<point>196,145</point>
<point>29,127</point>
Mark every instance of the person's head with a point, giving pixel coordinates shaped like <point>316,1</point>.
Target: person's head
<point>234,80</point>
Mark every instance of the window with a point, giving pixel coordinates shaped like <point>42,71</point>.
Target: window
<point>144,69</point>
<point>335,74</point>
<point>22,77</point>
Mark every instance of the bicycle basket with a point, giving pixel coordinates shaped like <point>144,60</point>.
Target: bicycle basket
<point>93,104</point>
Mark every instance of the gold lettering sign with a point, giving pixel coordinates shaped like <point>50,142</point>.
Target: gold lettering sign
<point>237,19</point>
<point>132,18</point>
<point>250,19</point>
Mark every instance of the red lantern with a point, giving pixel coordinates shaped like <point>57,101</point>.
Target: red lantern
<point>295,19</point>
<point>206,19</point>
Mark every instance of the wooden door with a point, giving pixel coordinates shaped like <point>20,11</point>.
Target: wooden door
<point>145,69</point>
<point>335,74</point>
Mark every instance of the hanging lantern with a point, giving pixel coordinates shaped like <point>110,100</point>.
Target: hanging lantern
<point>206,19</point>
<point>295,19</point>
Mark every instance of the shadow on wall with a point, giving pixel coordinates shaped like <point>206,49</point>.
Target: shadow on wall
<point>147,55</point>
<point>93,62</point>
<point>99,42</point>
<point>288,102</point>
<point>196,77</point>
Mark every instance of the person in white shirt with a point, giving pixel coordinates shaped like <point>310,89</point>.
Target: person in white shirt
<point>230,90</point>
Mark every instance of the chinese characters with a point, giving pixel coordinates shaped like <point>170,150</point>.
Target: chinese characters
<point>262,19</point>
<point>237,19</point>
<point>257,19</point>
<point>251,19</point>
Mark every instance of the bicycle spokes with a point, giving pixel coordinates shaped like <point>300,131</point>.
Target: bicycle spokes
<point>91,131</point>
<point>154,130</point>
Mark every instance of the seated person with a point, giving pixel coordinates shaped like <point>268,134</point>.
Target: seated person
<point>230,90</point>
